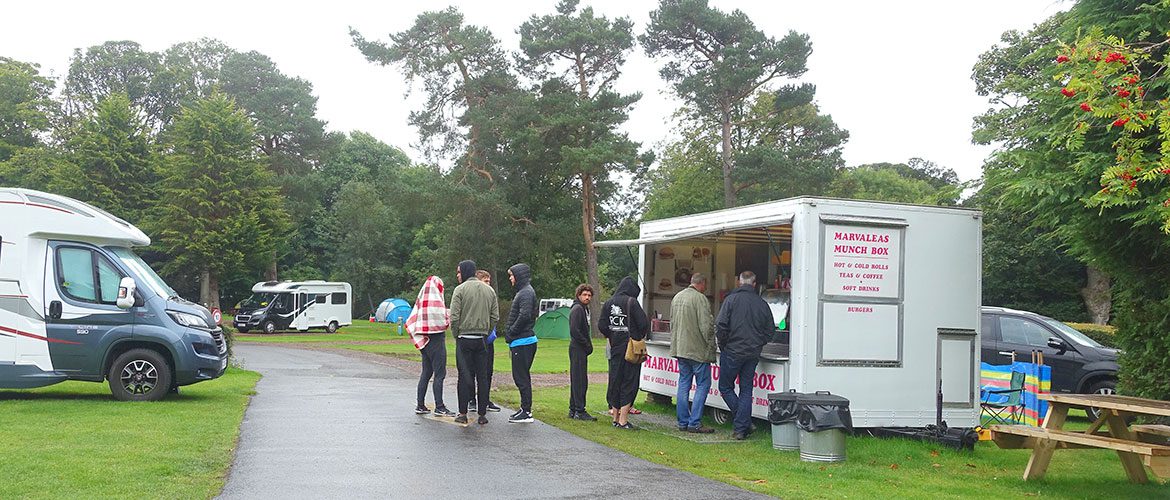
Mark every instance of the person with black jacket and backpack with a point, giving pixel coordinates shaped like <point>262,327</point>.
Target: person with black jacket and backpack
<point>742,328</point>
<point>580,347</point>
<point>521,338</point>
<point>622,318</point>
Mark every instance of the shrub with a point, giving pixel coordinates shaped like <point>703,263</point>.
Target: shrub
<point>1105,334</point>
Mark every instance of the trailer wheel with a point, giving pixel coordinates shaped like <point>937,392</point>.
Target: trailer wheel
<point>139,375</point>
<point>332,328</point>
<point>269,327</point>
<point>243,330</point>
<point>720,416</point>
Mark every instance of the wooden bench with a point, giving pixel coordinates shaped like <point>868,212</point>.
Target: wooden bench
<point>1152,430</point>
<point>1154,456</point>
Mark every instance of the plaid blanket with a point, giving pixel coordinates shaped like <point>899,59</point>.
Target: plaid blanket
<point>430,314</point>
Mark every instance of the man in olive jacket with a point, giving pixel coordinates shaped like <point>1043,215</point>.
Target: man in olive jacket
<point>474,311</point>
<point>692,343</point>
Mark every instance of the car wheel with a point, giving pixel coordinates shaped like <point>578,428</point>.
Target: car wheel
<point>720,416</point>
<point>269,327</point>
<point>332,328</point>
<point>139,375</point>
<point>1105,387</point>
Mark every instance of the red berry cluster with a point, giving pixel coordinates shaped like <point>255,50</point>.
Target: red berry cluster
<point>1120,121</point>
<point>1062,58</point>
<point>1122,92</point>
<point>1085,106</point>
<point>1067,92</point>
<point>1131,79</point>
<point>1115,57</point>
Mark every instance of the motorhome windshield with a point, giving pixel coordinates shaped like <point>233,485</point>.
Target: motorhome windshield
<point>257,300</point>
<point>149,278</point>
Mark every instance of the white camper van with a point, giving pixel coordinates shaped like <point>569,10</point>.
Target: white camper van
<point>76,303</point>
<point>295,305</point>
<point>876,302</point>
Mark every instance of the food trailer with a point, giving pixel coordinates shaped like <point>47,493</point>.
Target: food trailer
<point>877,302</point>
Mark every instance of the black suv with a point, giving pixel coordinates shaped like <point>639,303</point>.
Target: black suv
<point>1079,364</point>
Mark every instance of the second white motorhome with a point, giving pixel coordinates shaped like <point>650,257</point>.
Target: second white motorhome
<point>295,305</point>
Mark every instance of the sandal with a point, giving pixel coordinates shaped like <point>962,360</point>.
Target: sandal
<point>635,411</point>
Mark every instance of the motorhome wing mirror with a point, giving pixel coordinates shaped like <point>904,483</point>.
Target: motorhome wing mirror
<point>55,309</point>
<point>126,293</point>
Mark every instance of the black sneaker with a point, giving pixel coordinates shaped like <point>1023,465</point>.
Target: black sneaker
<point>492,406</point>
<point>627,426</point>
<point>482,420</point>
<point>738,437</point>
<point>442,411</point>
<point>421,409</point>
<point>700,430</point>
<point>521,417</point>
<point>518,412</point>
<point>472,407</point>
<point>581,415</point>
<point>461,419</point>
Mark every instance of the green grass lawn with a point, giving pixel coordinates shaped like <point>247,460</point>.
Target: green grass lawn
<point>73,440</point>
<point>875,468</point>
<point>552,355</point>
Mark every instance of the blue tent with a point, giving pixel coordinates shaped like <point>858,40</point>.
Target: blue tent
<point>391,311</point>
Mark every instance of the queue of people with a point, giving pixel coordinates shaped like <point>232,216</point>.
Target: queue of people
<point>734,338</point>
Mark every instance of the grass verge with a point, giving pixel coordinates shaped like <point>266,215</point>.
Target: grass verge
<point>875,468</point>
<point>73,440</point>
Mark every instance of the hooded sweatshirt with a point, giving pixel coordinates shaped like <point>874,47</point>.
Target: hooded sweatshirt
<point>579,327</point>
<point>622,316</point>
<point>474,307</point>
<point>522,316</point>
<point>429,316</point>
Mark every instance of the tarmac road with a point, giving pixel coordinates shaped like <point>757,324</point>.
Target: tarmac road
<point>328,425</point>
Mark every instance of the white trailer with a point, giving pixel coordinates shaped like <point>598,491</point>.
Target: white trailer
<point>296,305</point>
<point>882,301</point>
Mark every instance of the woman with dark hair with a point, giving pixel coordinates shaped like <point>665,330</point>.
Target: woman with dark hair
<point>622,318</point>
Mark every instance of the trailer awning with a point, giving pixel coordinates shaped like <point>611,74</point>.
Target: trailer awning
<point>714,230</point>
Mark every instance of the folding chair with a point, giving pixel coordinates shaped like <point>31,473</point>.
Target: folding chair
<point>1004,404</point>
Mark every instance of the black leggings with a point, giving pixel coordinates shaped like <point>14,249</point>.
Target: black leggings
<point>472,362</point>
<point>578,378</point>
<point>434,363</point>
<point>522,357</point>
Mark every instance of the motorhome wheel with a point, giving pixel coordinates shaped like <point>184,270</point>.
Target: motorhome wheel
<point>139,375</point>
<point>332,328</point>
<point>269,327</point>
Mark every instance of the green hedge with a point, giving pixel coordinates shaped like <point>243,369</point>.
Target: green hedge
<point>1104,334</point>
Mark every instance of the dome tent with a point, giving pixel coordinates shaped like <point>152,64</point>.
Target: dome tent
<point>553,324</point>
<point>392,311</point>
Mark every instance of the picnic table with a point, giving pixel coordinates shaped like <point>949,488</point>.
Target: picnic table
<point>1138,446</point>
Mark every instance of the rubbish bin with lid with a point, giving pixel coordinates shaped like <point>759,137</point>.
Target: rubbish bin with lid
<point>823,419</point>
<point>782,414</point>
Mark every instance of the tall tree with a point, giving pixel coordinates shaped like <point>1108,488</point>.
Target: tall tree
<point>115,67</point>
<point>218,194</point>
<point>460,66</point>
<point>1058,161</point>
<point>113,148</point>
<point>26,105</point>
<point>588,51</point>
<point>716,61</point>
<point>888,182</point>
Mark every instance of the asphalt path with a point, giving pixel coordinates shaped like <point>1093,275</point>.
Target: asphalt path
<point>329,425</point>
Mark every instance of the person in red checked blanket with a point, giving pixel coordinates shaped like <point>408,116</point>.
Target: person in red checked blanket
<point>426,324</point>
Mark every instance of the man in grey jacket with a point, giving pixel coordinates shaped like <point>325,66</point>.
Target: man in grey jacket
<point>692,343</point>
<point>474,311</point>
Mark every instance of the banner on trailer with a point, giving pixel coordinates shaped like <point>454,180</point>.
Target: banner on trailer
<point>660,376</point>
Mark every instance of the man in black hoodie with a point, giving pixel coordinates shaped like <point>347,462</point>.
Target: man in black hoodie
<point>742,328</point>
<point>580,347</point>
<point>521,338</point>
<point>622,318</point>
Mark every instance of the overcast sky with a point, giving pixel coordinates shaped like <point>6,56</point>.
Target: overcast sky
<point>895,74</point>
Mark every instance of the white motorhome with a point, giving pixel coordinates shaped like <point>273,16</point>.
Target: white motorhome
<point>876,302</point>
<point>295,305</point>
<point>76,303</point>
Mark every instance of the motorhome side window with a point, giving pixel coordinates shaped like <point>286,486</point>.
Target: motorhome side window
<point>338,298</point>
<point>86,276</point>
<point>322,298</point>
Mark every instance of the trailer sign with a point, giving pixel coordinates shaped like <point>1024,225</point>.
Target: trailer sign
<point>862,261</point>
